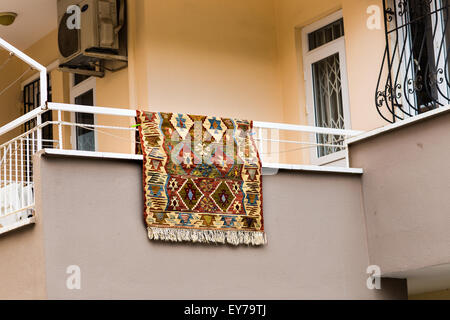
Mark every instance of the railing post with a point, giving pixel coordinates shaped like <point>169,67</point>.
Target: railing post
<point>43,82</point>
<point>43,101</point>
<point>16,186</point>
<point>261,143</point>
<point>347,155</point>
<point>5,152</point>
<point>22,169</point>
<point>39,132</point>
<point>60,139</point>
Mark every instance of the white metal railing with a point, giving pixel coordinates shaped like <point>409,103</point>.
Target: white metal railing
<point>16,183</point>
<point>268,135</point>
<point>42,75</point>
<point>16,165</point>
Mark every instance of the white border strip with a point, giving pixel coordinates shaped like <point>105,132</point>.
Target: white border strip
<point>17,225</point>
<point>400,124</point>
<point>124,156</point>
<point>300,128</point>
<point>93,154</point>
<point>313,168</point>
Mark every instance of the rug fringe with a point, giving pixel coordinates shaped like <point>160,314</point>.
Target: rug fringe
<point>255,238</point>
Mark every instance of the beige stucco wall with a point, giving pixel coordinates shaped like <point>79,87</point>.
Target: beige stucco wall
<point>364,52</point>
<point>236,58</point>
<point>22,261</point>
<point>112,91</point>
<point>206,57</point>
<point>43,51</point>
<point>241,58</point>
<point>405,187</point>
<point>10,100</point>
<point>92,217</point>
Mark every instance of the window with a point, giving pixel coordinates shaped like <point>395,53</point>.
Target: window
<point>326,84</point>
<point>79,78</point>
<point>31,100</point>
<point>326,34</point>
<point>83,93</point>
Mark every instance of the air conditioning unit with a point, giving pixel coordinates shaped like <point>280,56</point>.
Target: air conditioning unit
<point>85,49</point>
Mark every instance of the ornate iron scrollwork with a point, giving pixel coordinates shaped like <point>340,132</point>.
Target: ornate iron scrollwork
<point>414,75</point>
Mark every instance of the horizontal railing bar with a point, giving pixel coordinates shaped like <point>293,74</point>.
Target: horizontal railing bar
<point>91,109</point>
<point>23,135</point>
<point>302,143</point>
<point>72,124</point>
<point>258,124</point>
<point>21,120</point>
<point>22,56</point>
<point>301,128</point>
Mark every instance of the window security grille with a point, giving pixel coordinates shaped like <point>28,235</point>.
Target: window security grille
<point>327,87</point>
<point>31,98</point>
<point>414,75</point>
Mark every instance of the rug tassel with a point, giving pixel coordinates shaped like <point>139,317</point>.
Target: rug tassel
<point>255,238</point>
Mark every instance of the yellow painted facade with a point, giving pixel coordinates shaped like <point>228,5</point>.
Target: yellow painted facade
<point>227,58</point>
<point>435,295</point>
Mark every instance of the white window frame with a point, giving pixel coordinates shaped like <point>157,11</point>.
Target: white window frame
<point>76,91</point>
<point>309,58</point>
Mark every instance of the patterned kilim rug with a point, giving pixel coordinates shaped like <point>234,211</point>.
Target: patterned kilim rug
<point>202,179</point>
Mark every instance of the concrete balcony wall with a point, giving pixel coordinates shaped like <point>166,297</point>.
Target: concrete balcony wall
<point>406,188</point>
<point>92,215</point>
<point>22,263</point>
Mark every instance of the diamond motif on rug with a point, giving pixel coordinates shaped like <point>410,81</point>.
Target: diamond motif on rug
<point>190,194</point>
<point>223,196</point>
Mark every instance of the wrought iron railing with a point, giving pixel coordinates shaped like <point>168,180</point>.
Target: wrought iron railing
<point>414,75</point>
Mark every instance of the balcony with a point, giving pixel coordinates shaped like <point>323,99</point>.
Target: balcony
<point>374,198</point>
<point>17,192</point>
<point>17,204</point>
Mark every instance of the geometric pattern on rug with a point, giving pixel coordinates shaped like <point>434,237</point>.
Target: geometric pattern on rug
<point>202,179</point>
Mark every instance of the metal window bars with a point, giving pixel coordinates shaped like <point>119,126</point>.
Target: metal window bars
<point>414,75</point>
